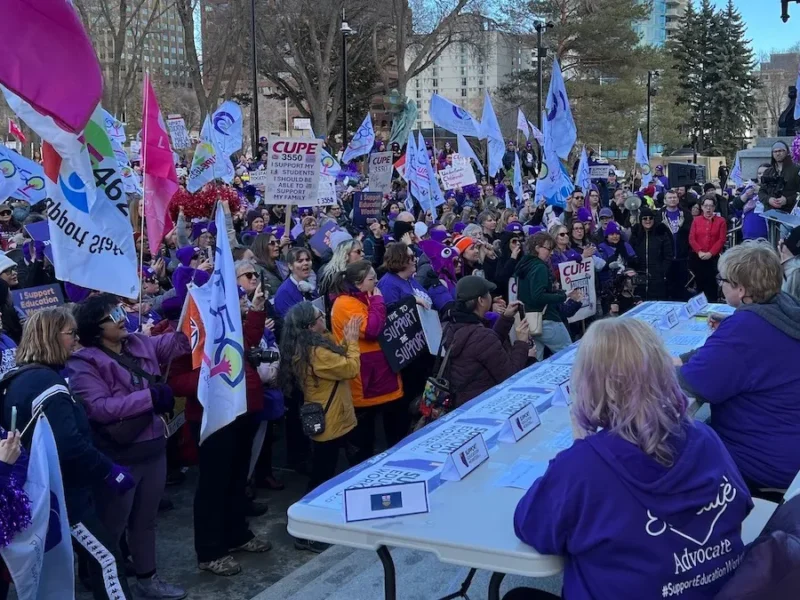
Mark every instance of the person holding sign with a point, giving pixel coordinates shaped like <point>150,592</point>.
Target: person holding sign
<point>479,355</point>
<point>376,388</point>
<point>646,499</point>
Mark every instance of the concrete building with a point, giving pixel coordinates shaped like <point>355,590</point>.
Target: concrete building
<point>775,75</point>
<point>463,72</point>
<point>663,21</point>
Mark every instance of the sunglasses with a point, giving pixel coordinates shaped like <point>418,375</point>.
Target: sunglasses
<point>273,243</point>
<point>5,213</point>
<point>150,280</point>
<point>647,218</point>
<point>116,316</point>
<point>249,275</point>
<point>563,234</point>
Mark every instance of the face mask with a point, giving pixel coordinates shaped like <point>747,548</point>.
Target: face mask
<point>20,213</point>
<point>393,215</point>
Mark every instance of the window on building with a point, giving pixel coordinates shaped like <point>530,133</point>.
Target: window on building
<point>481,69</point>
<point>463,82</point>
<point>435,83</point>
<point>480,82</point>
<point>419,95</point>
<point>463,92</point>
<point>463,71</point>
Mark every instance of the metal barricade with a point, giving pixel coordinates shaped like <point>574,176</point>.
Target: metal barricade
<point>734,234</point>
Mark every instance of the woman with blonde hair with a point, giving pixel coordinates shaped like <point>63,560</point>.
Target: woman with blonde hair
<point>346,252</point>
<point>48,340</point>
<point>646,499</point>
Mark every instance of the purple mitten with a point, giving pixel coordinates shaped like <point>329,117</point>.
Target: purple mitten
<point>120,479</point>
<point>162,398</point>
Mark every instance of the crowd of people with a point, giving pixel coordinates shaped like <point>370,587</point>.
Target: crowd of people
<point>107,370</point>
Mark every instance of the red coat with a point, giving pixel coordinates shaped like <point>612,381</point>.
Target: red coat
<point>184,380</point>
<point>708,235</point>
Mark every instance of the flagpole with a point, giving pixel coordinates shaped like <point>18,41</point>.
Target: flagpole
<point>144,189</point>
<point>435,150</point>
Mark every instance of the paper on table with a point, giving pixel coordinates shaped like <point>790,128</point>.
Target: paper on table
<point>522,474</point>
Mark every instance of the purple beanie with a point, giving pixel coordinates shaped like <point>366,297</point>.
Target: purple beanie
<point>612,228</point>
<point>439,235</point>
<point>583,215</point>
<point>514,227</point>
<point>185,254</point>
<point>459,227</point>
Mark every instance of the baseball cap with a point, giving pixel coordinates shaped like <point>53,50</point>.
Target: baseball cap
<point>606,212</point>
<point>472,286</point>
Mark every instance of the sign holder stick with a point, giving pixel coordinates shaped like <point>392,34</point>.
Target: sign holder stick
<point>288,222</point>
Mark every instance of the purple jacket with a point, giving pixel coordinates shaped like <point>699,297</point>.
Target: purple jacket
<point>288,295</point>
<point>110,392</point>
<point>394,288</point>
<point>630,527</point>
<point>746,372</point>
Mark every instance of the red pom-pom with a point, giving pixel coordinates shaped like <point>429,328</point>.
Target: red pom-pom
<point>200,205</point>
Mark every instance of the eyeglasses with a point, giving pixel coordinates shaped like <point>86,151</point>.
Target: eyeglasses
<point>357,250</point>
<point>563,234</point>
<point>71,333</point>
<point>5,213</point>
<point>647,218</point>
<point>272,243</point>
<point>116,316</point>
<point>578,197</point>
<point>249,275</point>
<point>721,280</point>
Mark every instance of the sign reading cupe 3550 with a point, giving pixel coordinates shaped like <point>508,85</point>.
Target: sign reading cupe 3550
<point>293,168</point>
<point>402,339</point>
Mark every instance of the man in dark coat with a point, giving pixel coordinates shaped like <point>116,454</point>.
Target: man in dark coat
<point>679,222</point>
<point>652,243</point>
<point>479,355</point>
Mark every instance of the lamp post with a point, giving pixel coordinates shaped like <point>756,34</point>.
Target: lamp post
<point>652,90</point>
<point>255,76</point>
<point>541,51</point>
<point>346,32</point>
<point>785,9</point>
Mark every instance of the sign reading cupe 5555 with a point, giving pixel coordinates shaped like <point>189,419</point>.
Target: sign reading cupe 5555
<point>293,171</point>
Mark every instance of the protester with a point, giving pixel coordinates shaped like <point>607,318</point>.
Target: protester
<point>266,250</point>
<point>479,354</point>
<point>562,251</point>
<point>707,239</point>
<point>789,249</point>
<point>754,407</point>
<point>781,181</point>
<point>753,224</point>
<point>299,286</point>
<point>679,221</point>
<point>344,253</point>
<point>48,340</point>
<point>641,481</point>
<point>652,244</point>
<point>400,264</point>
<point>117,376</point>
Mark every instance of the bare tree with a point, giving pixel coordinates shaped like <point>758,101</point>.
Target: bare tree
<point>773,98</point>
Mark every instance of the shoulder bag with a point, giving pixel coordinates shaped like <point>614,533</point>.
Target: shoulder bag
<point>312,415</point>
<point>534,320</point>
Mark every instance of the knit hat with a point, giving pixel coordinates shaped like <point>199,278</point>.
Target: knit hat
<point>401,228</point>
<point>252,216</point>
<point>646,211</point>
<point>199,228</point>
<point>6,262</point>
<point>420,229</point>
<point>463,243</point>
<point>338,236</point>
<point>514,227</point>
<point>792,241</point>
<point>606,212</point>
<point>148,273</point>
<point>459,227</point>
<point>583,215</point>
<point>612,228</point>
<point>533,229</point>
<point>185,254</point>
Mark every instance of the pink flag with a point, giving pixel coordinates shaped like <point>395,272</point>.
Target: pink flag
<point>158,169</point>
<point>48,60</point>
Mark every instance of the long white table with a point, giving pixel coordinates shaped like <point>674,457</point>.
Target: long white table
<point>470,522</point>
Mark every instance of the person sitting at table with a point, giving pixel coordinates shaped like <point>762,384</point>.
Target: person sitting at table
<point>646,499</point>
<point>739,371</point>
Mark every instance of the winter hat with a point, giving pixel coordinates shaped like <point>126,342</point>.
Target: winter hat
<point>199,228</point>
<point>792,241</point>
<point>338,236</point>
<point>646,211</point>
<point>514,227</point>
<point>439,235</point>
<point>420,229</point>
<point>709,187</point>
<point>500,190</point>
<point>5,262</point>
<point>401,228</point>
<point>252,216</point>
<point>606,212</point>
<point>612,228</point>
<point>583,215</point>
<point>441,257</point>
<point>533,229</point>
<point>459,227</point>
<point>148,273</point>
<point>463,243</point>
<point>472,191</point>
<point>186,254</point>
<point>779,145</point>
<point>449,194</point>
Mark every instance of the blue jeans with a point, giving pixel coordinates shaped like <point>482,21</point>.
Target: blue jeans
<point>554,335</point>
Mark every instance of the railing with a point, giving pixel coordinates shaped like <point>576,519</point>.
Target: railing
<point>736,228</point>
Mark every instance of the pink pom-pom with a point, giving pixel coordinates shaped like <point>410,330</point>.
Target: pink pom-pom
<point>796,149</point>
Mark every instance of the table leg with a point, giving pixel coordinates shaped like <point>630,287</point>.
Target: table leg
<point>494,585</point>
<point>462,592</point>
<point>389,584</point>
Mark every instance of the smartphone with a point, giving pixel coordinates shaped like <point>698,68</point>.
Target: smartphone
<point>263,283</point>
<point>521,311</point>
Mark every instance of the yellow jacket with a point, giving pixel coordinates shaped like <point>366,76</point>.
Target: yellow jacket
<point>326,369</point>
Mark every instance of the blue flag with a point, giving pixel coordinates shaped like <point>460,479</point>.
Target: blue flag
<point>642,160</point>
<point>210,160</point>
<point>362,141</point>
<point>436,195</point>
<point>554,183</point>
<point>224,128</point>
<point>29,176</point>
<point>559,114</point>
<point>465,150</point>
<point>517,178</point>
<point>421,186</point>
<point>453,118</point>
<point>736,172</point>
<point>10,179</point>
<point>491,131</point>
<point>583,178</point>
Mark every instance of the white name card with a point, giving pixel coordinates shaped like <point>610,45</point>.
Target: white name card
<point>672,318</point>
<point>381,501</point>
<point>697,304</point>
<point>520,424</point>
<point>465,459</point>
<point>562,396</point>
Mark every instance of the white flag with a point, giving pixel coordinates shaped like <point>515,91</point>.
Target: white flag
<point>209,163</point>
<point>465,150</point>
<point>537,134</point>
<point>40,557</point>
<point>10,179</point>
<point>522,123</point>
<point>582,176</point>
<point>736,172</point>
<point>517,180</point>
<point>490,128</point>
<point>221,389</point>
<point>224,128</point>
<point>642,159</point>
<point>362,141</point>
<point>559,114</point>
<point>436,196</point>
<point>453,118</point>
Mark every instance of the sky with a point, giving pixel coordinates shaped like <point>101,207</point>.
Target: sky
<point>764,25</point>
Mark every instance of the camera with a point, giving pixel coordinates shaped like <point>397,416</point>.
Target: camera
<point>257,356</point>
<point>773,186</point>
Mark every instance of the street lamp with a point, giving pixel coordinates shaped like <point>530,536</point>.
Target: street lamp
<point>346,32</point>
<point>540,26</point>
<point>652,90</point>
<point>255,76</point>
<point>785,9</point>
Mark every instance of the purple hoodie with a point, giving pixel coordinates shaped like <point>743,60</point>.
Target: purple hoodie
<point>629,527</point>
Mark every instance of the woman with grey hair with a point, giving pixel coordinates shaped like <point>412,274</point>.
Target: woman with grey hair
<point>646,500</point>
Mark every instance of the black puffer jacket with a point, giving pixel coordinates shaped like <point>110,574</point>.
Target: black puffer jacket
<point>654,249</point>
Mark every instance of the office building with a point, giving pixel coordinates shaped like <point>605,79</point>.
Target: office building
<point>662,23</point>
<point>775,75</point>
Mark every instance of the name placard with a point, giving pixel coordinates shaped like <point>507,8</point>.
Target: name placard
<point>520,424</point>
<point>672,318</point>
<point>465,459</point>
<point>381,501</point>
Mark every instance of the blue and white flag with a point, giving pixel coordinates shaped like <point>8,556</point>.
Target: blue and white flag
<point>10,179</point>
<point>491,131</point>
<point>554,183</point>
<point>583,177</point>
<point>453,118</point>
<point>537,134</point>
<point>522,123</point>
<point>421,188</point>
<point>559,114</point>
<point>465,150</point>
<point>116,133</point>
<point>642,159</point>
<point>40,557</point>
<point>328,167</point>
<point>210,161</point>
<point>224,128</point>
<point>435,191</point>
<point>221,389</point>
<point>517,179</point>
<point>736,172</point>
<point>88,247</point>
<point>115,128</point>
<point>362,141</point>
<point>31,178</point>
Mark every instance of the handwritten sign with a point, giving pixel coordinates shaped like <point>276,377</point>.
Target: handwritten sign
<point>580,276</point>
<point>366,205</point>
<point>178,132</point>
<point>258,179</point>
<point>30,300</point>
<point>380,171</point>
<point>459,174</point>
<point>293,171</point>
<point>402,339</point>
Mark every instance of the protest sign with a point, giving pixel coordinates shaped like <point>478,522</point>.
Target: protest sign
<point>459,174</point>
<point>326,192</point>
<point>366,205</point>
<point>380,171</point>
<point>293,171</point>
<point>30,300</point>
<point>259,179</point>
<point>40,232</point>
<point>402,339</point>
<point>431,327</point>
<point>599,171</point>
<point>327,237</point>
<point>580,276</point>
<point>178,132</point>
